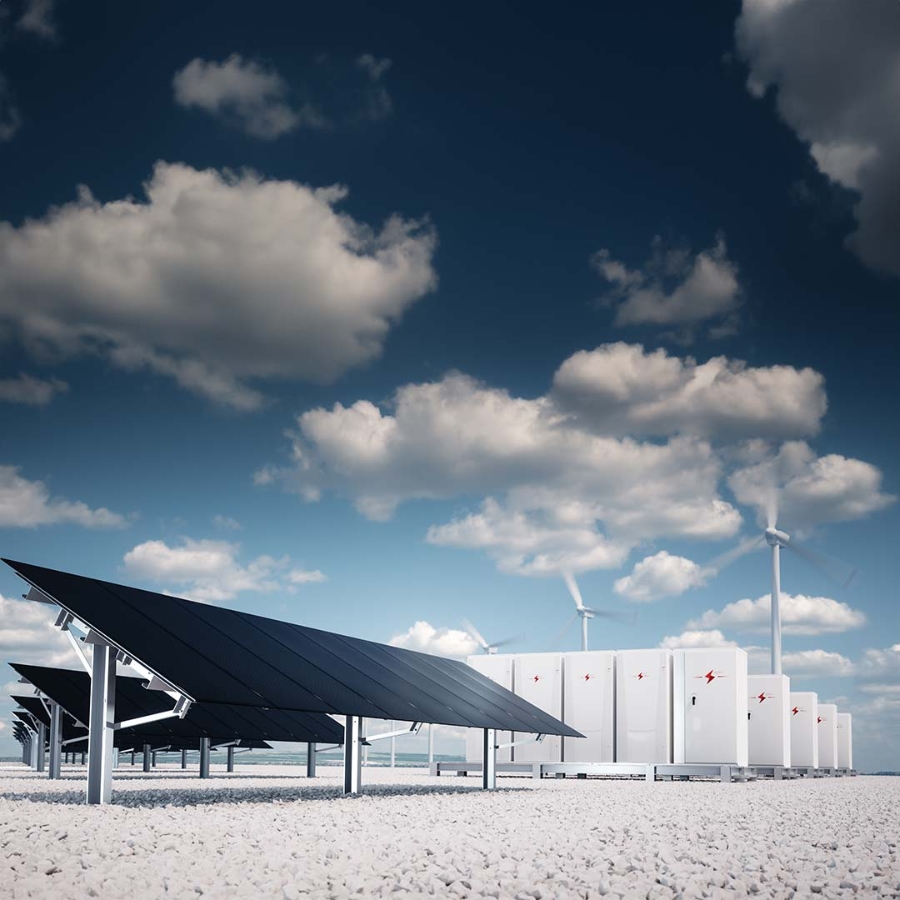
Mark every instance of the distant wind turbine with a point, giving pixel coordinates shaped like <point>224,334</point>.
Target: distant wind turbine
<point>585,612</point>
<point>835,571</point>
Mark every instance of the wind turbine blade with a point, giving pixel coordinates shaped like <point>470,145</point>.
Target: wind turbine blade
<point>627,618</point>
<point>475,633</point>
<point>572,585</point>
<point>840,573</point>
<point>772,508</point>
<point>554,644</point>
<point>509,640</point>
<point>748,545</point>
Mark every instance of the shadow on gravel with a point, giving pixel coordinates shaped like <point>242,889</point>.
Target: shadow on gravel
<point>220,795</point>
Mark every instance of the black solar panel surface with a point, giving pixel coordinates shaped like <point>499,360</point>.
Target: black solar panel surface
<point>71,690</point>
<point>36,708</point>
<point>223,656</point>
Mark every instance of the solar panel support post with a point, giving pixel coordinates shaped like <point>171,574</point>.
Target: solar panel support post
<point>310,760</point>
<point>230,759</point>
<point>184,759</point>
<point>32,750</point>
<point>204,757</point>
<point>41,742</point>
<point>352,755</point>
<point>55,740</point>
<point>489,767</point>
<point>146,760</point>
<point>101,722</point>
<point>153,759</point>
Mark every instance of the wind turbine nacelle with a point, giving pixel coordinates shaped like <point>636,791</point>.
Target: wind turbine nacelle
<point>774,537</point>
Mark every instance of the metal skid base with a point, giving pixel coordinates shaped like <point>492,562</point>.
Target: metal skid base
<point>778,773</point>
<point>653,772</point>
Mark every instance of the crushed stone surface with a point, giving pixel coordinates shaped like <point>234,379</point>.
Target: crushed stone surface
<point>265,831</point>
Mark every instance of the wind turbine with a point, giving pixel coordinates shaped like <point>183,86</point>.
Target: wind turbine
<point>778,540</point>
<point>488,648</point>
<point>586,613</point>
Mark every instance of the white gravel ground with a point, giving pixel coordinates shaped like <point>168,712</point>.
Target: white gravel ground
<point>266,832</point>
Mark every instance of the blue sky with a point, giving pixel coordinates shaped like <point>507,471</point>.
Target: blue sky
<point>364,318</point>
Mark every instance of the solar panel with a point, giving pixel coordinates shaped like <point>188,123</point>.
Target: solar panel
<point>71,690</point>
<point>216,655</point>
<point>34,705</point>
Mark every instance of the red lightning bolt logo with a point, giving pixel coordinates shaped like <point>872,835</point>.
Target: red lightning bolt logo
<point>709,676</point>
<point>795,710</point>
<point>819,720</point>
<point>537,678</point>
<point>640,676</point>
<point>761,697</point>
<point>587,677</point>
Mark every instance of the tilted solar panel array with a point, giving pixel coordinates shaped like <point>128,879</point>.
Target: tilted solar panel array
<point>72,691</point>
<point>33,705</point>
<point>223,656</point>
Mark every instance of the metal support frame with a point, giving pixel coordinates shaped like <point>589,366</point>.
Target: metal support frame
<point>153,759</point>
<point>184,759</point>
<point>102,720</point>
<point>310,760</point>
<point>41,747</point>
<point>204,757</point>
<point>537,739</point>
<point>230,761</point>
<point>33,749</point>
<point>430,743</point>
<point>413,729</point>
<point>489,771</point>
<point>352,755</point>
<point>55,740</point>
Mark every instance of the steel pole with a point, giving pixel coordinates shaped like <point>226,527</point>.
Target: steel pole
<point>230,760</point>
<point>148,758</point>
<point>184,759</point>
<point>41,741</point>
<point>393,745</point>
<point>101,721</point>
<point>55,740</point>
<point>430,743</point>
<point>776,609</point>
<point>584,644</point>
<point>489,766</point>
<point>310,760</point>
<point>352,759</point>
<point>204,757</point>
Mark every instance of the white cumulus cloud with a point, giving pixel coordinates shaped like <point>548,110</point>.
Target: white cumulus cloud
<point>555,495</point>
<point>449,642</point>
<point>29,504</point>
<point>806,664</point>
<point>840,95</point>
<point>622,388</point>
<point>243,93</point>
<point>811,489</point>
<point>30,391</point>
<point>674,288</point>
<point>228,277</point>
<point>205,570</point>
<point>689,639</point>
<point>39,18</point>
<point>660,575</point>
<point>27,635</point>
<point>800,615</point>
<point>306,576</point>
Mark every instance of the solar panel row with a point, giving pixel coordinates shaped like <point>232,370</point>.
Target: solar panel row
<point>216,655</point>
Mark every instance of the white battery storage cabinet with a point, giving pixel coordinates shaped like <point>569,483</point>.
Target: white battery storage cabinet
<point>804,729</point>
<point>710,706</point>
<point>769,720</point>
<point>589,698</point>
<point>644,706</point>
<point>845,740</point>
<point>538,679</point>
<point>827,722</point>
